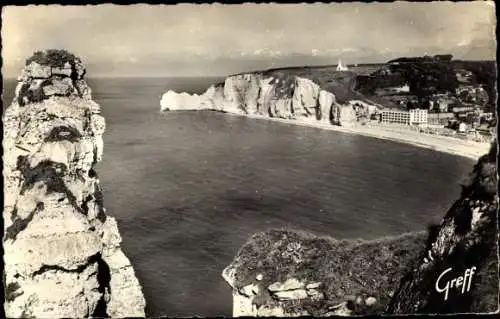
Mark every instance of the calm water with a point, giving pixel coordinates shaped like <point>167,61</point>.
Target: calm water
<point>188,189</point>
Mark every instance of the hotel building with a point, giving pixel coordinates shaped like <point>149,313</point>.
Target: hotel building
<point>395,116</point>
<point>413,117</point>
<point>418,117</point>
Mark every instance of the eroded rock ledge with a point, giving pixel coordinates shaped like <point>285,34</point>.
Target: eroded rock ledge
<point>277,96</point>
<point>62,252</point>
<point>292,273</point>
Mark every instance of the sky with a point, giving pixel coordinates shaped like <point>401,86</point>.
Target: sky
<point>217,39</point>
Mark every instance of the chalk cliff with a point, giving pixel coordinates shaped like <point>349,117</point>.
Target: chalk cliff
<point>62,252</point>
<point>291,273</point>
<point>285,97</point>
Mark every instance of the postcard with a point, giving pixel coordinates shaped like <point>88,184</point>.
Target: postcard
<point>250,159</point>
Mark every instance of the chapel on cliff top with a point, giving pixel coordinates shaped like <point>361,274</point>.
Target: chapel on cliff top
<point>341,67</point>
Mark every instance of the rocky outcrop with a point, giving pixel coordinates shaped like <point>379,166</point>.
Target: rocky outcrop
<point>466,241</point>
<point>285,97</point>
<point>61,251</point>
<point>290,273</point>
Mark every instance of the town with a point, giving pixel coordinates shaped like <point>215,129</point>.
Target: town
<point>433,95</point>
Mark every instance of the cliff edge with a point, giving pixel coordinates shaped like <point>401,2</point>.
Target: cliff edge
<point>291,273</point>
<point>61,251</point>
<point>465,244</point>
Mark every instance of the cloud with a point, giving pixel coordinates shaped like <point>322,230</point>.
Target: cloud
<point>110,35</point>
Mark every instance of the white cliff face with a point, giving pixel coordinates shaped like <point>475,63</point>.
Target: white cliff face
<point>305,98</point>
<point>62,253</point>
<point>326,102</point>
<point>253,94</point>
<point>346,116</point>
<point>178,101</point>
<point>241,93</point>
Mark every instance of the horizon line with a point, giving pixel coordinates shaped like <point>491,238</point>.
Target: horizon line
<point>11,77</point>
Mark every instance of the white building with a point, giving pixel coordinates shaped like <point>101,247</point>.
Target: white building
<point>418,117</point>
<point>462,127</point>
<point>413,117</point>
<point>341,67</point>
<point>395,116</point>
<point>402,89</point>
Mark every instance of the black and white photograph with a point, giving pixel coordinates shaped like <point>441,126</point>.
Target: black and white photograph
<point>249,159</point>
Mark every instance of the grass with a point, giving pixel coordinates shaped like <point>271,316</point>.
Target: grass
<point>345,267</point>
<point>341,84</point>
<point>338,83</point>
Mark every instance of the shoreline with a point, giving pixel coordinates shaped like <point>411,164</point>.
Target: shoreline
<point>445,144</point>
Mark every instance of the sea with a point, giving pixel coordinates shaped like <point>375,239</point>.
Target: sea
<point>189,188</point>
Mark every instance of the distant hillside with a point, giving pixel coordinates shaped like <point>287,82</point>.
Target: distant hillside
<point>425,75</point>
<point>435,58</point>
<point>484,72</point>
<point>429,75</point>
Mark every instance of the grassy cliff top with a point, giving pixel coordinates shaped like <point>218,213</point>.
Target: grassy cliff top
<point>53,57</point>
<point>345,267</point>
<point>341,84</point>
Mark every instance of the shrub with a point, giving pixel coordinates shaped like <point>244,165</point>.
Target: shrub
<point>53,57</point>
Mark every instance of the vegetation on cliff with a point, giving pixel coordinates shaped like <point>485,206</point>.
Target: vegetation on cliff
<point>466,238</point>
<point>341,84</point>
<point>427,58</point>
<point>338,83</point>
<point>48,73</point>
<point>347,269</point>
<point>485,73</point>
<point>427,76</point>
<point>53,57</point>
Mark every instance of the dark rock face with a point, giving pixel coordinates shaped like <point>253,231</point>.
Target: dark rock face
<point>466,242</point>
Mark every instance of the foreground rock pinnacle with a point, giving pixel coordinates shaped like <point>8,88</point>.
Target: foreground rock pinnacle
<point>62,253</point>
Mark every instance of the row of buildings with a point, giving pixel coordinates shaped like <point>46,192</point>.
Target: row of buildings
<point>479,122</point>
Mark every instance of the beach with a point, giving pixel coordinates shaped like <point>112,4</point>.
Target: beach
<point>446,144</point>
